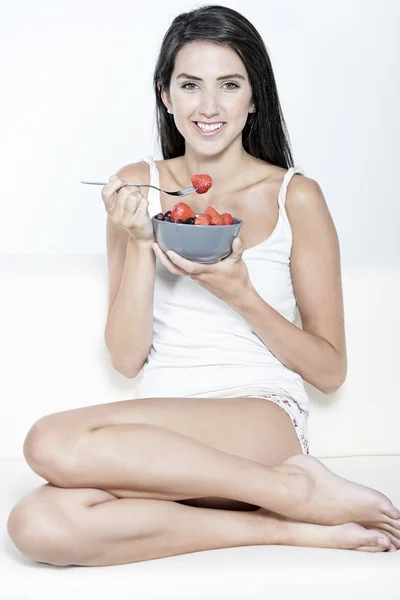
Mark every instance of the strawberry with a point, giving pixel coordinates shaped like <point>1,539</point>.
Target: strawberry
<point>202,182</point>
<point>203,220</point>
<point>216,218</point>
<point>227,218</point>
<point>181,211</point>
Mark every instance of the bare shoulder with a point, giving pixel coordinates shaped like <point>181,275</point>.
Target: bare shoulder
<point>302,192</point>
<point>140,171</point>
<point>307,208</point>
<point>305,205</point>
<point>313,230</point>
<point>135,172</point>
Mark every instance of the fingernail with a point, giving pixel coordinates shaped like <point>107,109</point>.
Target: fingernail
<point>383,542</point>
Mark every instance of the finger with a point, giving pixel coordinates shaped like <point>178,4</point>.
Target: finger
<point>127,200</point>
<point>126,190</point>
<point>108,191</point>
<point>163,258</point>
<point>131,205</point>
<point>187,265</point>
<point>237,248</point>
<point>142,208</point>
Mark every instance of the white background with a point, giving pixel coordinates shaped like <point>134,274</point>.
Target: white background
<point>77,103</point>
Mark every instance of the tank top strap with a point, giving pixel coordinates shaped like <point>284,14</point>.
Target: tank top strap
<point>154,195</point>
<point>286,180</point>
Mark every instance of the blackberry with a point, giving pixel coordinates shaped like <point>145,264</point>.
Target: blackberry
<point>190,221</point>
<point>160,217</point>
<point>178,221</point>
<point>168,214</point>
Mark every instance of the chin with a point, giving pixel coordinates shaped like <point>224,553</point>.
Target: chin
<point>207,152</point>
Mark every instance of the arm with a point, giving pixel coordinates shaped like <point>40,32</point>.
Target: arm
<point>131,268</point>
<point>318,351</point>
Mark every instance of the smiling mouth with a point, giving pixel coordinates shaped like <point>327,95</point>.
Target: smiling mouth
<point>209,130</point>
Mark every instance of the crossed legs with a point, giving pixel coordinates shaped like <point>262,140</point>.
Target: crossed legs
<point>122,476</point>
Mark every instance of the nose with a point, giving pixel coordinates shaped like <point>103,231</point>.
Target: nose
<point>209,105</point>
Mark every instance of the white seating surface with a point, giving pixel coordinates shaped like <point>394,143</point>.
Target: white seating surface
<point>54,358</point>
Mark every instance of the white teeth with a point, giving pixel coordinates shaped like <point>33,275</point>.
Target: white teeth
<point>209,127</point>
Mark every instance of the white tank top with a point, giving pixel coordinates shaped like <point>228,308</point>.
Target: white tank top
<point>201,346</point>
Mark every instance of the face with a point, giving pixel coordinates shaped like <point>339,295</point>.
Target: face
<point>201,94</point>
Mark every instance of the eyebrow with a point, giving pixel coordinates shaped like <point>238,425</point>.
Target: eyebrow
<point>234,76</point>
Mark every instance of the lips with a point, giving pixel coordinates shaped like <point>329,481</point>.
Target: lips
<point>209,133</point>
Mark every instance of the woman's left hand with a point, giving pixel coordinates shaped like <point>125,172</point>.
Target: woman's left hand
<point>225,278</point>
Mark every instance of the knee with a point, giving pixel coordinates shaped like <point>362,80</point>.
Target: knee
<point>40,533</point>
<point>47,452</point>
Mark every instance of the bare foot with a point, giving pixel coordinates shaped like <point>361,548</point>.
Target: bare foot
<point>280,530</point>
<point>319,496</point>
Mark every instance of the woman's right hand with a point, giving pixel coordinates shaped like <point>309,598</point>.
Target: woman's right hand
<point>127,207</point>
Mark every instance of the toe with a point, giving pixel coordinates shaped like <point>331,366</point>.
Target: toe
<point>388,529</point>
<point>378,538</point>
<point>376,541</point>
<point>395,523</point>
<point>369,540</point>
<point>392,512</point>
<point>394,541</point>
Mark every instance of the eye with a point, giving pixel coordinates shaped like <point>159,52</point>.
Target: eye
<point>185,84</point>
<point>232,83</point>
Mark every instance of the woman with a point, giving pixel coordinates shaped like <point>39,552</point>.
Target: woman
<point>214,452</point>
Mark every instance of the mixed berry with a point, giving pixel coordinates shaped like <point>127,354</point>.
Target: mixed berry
<point>182,213</point>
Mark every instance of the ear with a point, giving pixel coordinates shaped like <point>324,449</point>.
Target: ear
<point>164,96</point>
<point>252,105</point>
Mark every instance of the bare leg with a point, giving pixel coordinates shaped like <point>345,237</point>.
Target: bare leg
<point>91,527</point>
<point>147,461</point>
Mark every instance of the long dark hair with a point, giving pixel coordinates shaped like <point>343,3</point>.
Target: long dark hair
<point>265,134</point>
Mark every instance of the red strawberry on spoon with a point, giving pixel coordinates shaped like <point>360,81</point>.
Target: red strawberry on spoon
<point>202,182</point>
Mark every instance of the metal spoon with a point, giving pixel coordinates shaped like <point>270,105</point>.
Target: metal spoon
<point>183,192</point>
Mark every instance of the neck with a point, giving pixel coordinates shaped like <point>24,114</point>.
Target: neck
<point>226,169</point>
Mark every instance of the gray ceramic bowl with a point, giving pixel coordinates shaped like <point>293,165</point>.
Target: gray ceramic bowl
<point>198,243</point>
